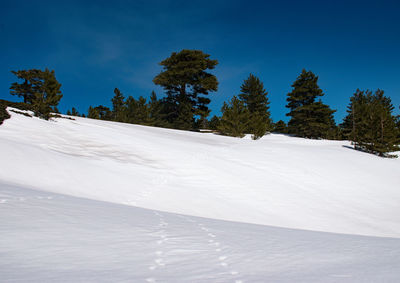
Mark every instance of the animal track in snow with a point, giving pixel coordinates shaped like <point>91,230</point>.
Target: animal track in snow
<point>158,261</point>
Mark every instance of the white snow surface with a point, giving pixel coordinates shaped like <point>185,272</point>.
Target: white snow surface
<point>86,201</point>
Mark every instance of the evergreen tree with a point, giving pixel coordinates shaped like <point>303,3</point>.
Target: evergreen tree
<point>214,123</point>
<point>235,118</point>
<point>100,112</point>
<point>137,111</point>
<point>40,88</point>
<point>370,123</point>
<point>92,113</point>
<point>119,110</point>
<point>309,118</point>
<point>73,112</point>
<point>353,126</point>
<point>155,108</point>
<point>383,136</point>
<point>280,127</point>
<point>185,80</point>
<point>255,99</point>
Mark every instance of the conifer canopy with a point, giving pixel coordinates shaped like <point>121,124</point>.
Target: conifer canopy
<point>185,78</point>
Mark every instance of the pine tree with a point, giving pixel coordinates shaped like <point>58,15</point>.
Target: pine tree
<point>118,111</point>
<point>255,99</point>
<point>235,118</point>
<point>40,88</point>
<point>155,106</point>
<point>185,80</point>
<point>73,112</point>
<point>309,118</point>
<point>381,133</point>
<point>370,123</point>
<point>137,111</point>
<point>214,123</point>
<point>92,113</point>
<point>353,126</point>
<point>280,127</point>
<point>100,112</point>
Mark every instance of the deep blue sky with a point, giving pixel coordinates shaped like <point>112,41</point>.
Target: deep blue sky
<point>95,46</point>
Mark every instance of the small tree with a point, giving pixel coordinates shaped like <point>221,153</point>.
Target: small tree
<point>73,112</point>
<point>155,109</point>
<point>119,110</point>
<point>280,127</point>
<point>214,123</point>
<point>137,111</point>
<point>100,112</point>
<point>235,118</point>
<point>255,99</point>
<point>40,88</point>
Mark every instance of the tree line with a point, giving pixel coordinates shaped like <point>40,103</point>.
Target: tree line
<point>370,123</point>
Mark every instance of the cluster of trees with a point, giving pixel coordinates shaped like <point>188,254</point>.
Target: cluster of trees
<point>248,113</point>
<point>131,110</point>
<point>186,80</point>
<point>186,83</point>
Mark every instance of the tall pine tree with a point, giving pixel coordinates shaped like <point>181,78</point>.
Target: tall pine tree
<point>186,82</point>
<point>309,118</point>
<point>255,99</point>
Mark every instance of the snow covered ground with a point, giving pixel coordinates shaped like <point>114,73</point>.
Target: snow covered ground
<point>88,200</point>
<point>50,237</point>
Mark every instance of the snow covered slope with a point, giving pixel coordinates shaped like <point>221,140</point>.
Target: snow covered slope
<point>278,180</point>
<point>93,201</point>
<point>46,237</point>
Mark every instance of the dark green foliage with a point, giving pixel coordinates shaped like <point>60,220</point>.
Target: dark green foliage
<point>309,118</point>
<point>213,124</point>
<point>137,111</point>
<point>73,112</point>
<point>202,112</point>
<point>100,112</point>
<point>370,124</point>
<point>119,111</point>
<point>28,87</point>
<point>155,108</point>
<point>3,113</point>
<point>255,99</point>
<point>280,127</point>
<point>184,78</point>
<point>177,114</point>
<point>40,89</point>
<point>235,118</point>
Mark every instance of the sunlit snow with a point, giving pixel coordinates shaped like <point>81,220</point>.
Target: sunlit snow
<point>89,200</point>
